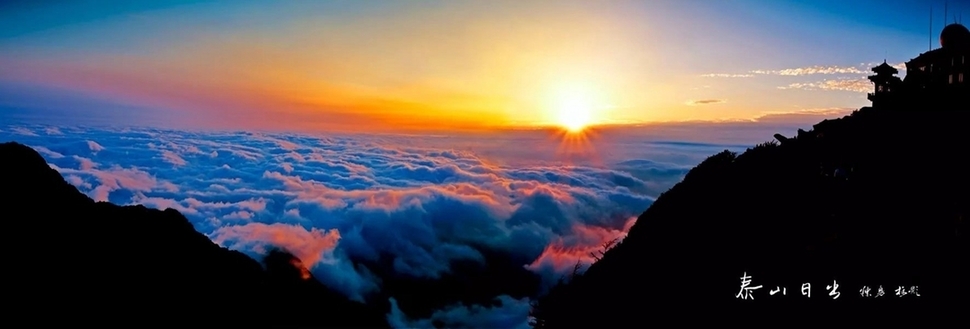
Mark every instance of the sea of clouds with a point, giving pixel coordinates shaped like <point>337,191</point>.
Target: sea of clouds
<point>425,201</point>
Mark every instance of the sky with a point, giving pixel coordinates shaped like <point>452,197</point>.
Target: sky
<point>444,65</point>
<point>384,139</point>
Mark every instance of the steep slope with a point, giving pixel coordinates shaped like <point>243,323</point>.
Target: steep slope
<point>875,198</point>
<point>71,260</point>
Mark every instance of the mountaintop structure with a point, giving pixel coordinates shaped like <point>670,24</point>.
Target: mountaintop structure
<point>937,77</point>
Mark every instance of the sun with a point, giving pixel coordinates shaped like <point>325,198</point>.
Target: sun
<point>575,110</point>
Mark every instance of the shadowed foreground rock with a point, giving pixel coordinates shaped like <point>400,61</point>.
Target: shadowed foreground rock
<point>71,261</point>
<point>879,197</point>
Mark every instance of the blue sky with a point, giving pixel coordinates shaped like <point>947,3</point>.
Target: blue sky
<point>339,65</point>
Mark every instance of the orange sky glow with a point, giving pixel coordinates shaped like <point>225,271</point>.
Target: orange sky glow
<point>441,66</point>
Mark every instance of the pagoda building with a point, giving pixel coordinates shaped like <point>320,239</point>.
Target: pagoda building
<point>885,81</point>
<point>937,78</point>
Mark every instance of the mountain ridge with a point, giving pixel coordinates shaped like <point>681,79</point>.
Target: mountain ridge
<point>834,206</point>
<point>100,263</point>
<point>822,182</point>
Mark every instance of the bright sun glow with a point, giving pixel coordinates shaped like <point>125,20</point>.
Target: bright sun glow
<point>575,109</point>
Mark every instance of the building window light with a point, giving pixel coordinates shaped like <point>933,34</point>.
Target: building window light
<point>951,79</point>
<point>960,77</point>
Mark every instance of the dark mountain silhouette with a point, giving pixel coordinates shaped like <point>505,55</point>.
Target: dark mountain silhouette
<point>70,260</point>
<point>879,197</point>
<point>875,198</point>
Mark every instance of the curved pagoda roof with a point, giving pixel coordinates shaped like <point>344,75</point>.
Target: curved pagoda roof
<point>885,68</point>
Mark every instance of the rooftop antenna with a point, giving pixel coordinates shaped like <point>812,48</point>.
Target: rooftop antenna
<point>931,28</point>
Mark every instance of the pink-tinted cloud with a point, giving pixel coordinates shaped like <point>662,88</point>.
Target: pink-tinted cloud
<point>392,199</point>
<point>173,158</point>
<point>312,246</point>
<point>582,247</point>
<point>286,145</point>
<point>85,163</point>
<point>95,147</point>
<point>168,187</point>
<point>77,181</point>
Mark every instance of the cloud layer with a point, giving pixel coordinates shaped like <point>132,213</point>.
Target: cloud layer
<point>853,78</point>
<point>345,203</point>
<point>863,69</point>
<point>859,85</point>
<point>507,312</point>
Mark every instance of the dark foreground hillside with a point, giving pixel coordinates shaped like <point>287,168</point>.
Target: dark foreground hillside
<point>879,197</point>
<point>72,262</point>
